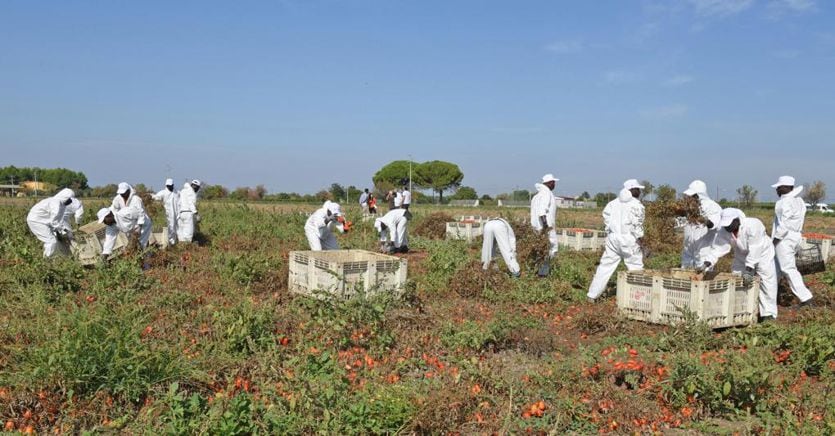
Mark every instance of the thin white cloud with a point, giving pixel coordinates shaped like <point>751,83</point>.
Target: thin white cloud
<point>796,6</point>
<point>679,80</point>
<point>664,112</point>
<point>720,8</point>
<point>566,47</point>
<point>620,77</point>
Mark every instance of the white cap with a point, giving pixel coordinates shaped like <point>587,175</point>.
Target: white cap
<point>696,187</point>
<point>729,215</point>
<point>169,182</point>
<point>333,208</point>
<point>123,187</point>
<point>196,182</point>
<point>549,178</point>
<point>632,183</point>
<point>102,213</point>
<point>784,181</point>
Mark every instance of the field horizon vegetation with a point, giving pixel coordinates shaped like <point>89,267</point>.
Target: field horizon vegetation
<point>208,339</point>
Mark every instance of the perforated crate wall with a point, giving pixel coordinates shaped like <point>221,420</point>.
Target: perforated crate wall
<point>343,273</point>
<point>464,231</point>
<point>581,240</point>
<point>662,298</point>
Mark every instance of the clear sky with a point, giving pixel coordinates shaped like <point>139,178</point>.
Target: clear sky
<point>296,95</point>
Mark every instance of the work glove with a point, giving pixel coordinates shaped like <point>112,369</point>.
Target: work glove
<point>776,241</point>
<point>703,267</point>
<point>748,276</point>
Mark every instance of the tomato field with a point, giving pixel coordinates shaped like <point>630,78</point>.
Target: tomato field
<point>207,339</point>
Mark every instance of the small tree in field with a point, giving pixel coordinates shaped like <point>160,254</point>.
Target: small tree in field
<point>747,195</point>
<point>665,192</point>
<point>465,193</point>
<point>815,192</point>
<point>439,176</point>
<point>648,189</point>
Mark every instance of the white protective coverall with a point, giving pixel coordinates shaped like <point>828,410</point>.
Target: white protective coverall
<point>752,249</point>
<point>127,221</point>
<point>789,215</point>
<point>186,214</point>
<point>699,236</point>
<point>397,227</point>
<point>398,199</point>
<point>74,210</point>
<point>624,219</point>
<point>544,204</point>
<point>499,232</point>
<point>319,227</point>
<point>171,202</point>
<point>46,219</point>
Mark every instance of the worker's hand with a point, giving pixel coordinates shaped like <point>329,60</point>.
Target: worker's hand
<point>776,241</point>
<point>748,276</point>
<point>346,226</point>
<point>703,267</point>
<point>709,224</point>
<point>340,219</point>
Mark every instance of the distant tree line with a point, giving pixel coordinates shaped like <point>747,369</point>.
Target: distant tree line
<point>55,177</point>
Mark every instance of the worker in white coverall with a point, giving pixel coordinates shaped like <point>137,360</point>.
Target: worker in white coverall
<point>46,220</point>
<point>187,216</point>
<point>624,220</point>
<point>699,236</point>
<point>498,232</point>
<point>171,203</point>
<point>753,254</point>
<point>786,233</point>
<point>126,220</point>
<point>544,217</point>
<point>321,225</point>
<point>393,229</point>
<point>73,212</point>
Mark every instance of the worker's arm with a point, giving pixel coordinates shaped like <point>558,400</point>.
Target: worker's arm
<point>721,246</point>
<point>756,240</point>
<point>712,213</point>
<point>780,220</point>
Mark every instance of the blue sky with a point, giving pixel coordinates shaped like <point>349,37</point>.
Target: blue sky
<point>299,94</point>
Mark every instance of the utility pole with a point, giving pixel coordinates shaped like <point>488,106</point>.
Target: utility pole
<point>36,183</point>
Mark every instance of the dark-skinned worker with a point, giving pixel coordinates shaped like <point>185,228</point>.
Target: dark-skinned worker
<point>321,224</point>
<point>126,220</point>
<point>188,217</point>
<point>624,219</point>
<point>393,230</point>
<point>544,217</point>
<point>699,236</point>
<point>171,203</point>
<point>753,255</point>
<point>46,220</point>
<point>787,234</point>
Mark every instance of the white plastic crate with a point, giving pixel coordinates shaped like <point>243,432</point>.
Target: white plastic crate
<point>343,273</point>
<point>581,239</point>
<point>89,240</point>
<point>159,238</point>
<point>468,231</point>
<point>825,246</point>
<point>661,297</point>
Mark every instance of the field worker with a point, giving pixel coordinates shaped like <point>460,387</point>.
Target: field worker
<point>390,199</point>
<point>126,220</point>
<point>498,232</point>
<point>393,229</point>
<point>407,197</point>
<point>789,214</point>
<point>753,254</point>
<point>624,220</point>
<point>699,236</point>
<point>187,216</point>
<point>364,202</point>
<point>73,211</point>
<point>398,199</point>
<point>171,202</point>
<point>321,225</point>
<point>46,220</point>
<point>372,204</point>
<point>544,216</point>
